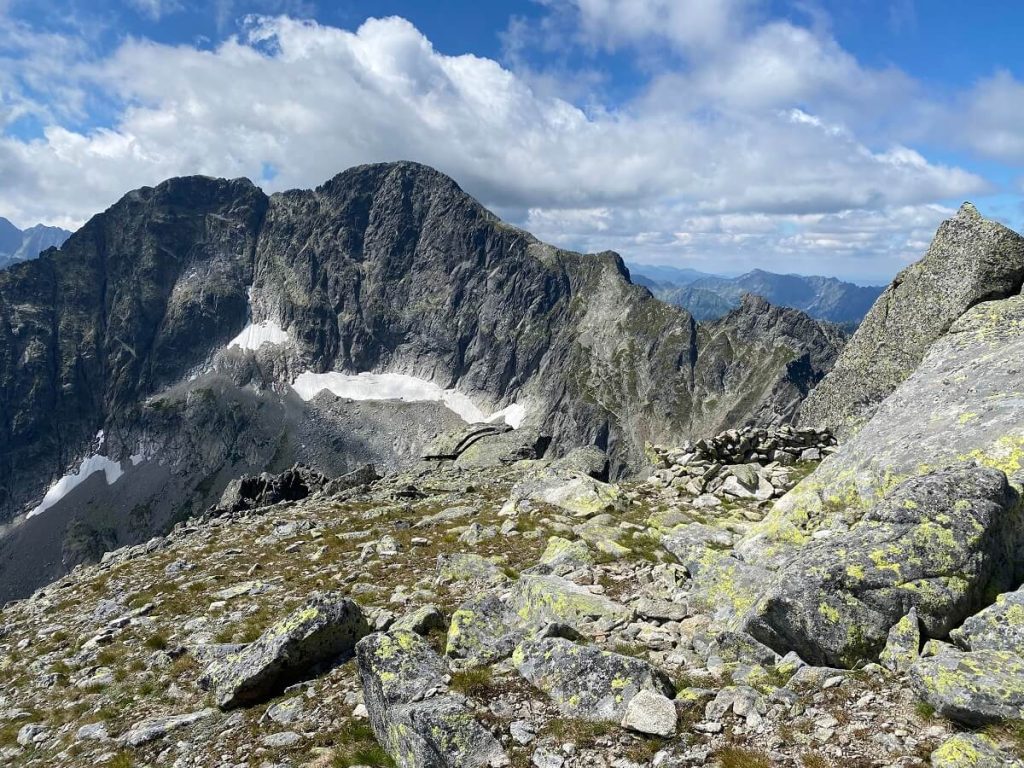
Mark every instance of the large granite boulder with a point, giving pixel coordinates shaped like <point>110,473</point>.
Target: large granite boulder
<point>487,628</point>
<point>586,682</point>
<point>414,716</point>
<point>324,628</point>
<point>1000,627</point>
<point>941,543</point>
<point>970,260</point>
<point>974,688</point>
<point>972,750</point>
<point>965,401</point>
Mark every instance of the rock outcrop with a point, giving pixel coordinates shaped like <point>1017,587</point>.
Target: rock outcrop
<point>941,543</point>
<point>971,260</point>
<point>412,713</point>
<point>324,628</point>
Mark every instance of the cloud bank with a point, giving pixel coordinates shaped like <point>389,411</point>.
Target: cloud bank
<point>754,142</point>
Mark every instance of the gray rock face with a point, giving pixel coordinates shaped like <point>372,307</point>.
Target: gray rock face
<point>586,682</point>
<point>940,543</point>
<point>324,628</point>
<point>415,718</point>
<point>964,402</point>
<point>971,260</point>
<point>250,492</point>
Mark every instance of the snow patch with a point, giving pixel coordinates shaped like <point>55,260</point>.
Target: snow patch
<point>92,464</point>
<point>513,415</point>
<point>255,335</point>
<point>398,386</point>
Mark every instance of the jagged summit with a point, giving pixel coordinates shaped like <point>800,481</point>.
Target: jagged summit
<point>971,260</point>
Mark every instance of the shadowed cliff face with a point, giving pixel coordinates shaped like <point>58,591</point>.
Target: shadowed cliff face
<point>383,268</point>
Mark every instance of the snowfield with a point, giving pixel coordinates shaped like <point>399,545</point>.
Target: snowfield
<point>255,335</point>
<point>95,463</point>
<point>397,386</point>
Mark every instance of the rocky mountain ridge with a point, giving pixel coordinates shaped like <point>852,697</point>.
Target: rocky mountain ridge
<point>709,297</point>
<point>200,329</point>
<point>18,245</point>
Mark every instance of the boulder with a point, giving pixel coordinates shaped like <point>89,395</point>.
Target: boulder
<point>696,545</point>
<point>576,493</point>
<point>539,600</point>
<point>999,627</point>
<point>325,627</point>
<point>253,491</point>
<point>585,682</point>
<point>725,587</point>
<point>482,631</point>
<point>413,715</point>
<point>157,727</point>
<point>902,644</point>
<point>590,460</point>
<point>972,750</point>
<point>422,621</point>
<point>975,688</point>
<point>506,448</point>
<point>562,554</point>
<point>941,543</point>
<point>487,628</point>
<point>652,714</point>
<point>469,568</point>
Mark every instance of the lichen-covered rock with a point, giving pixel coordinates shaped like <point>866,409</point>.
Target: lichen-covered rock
<point>942,543</point>
<point>325,627</point>
<point>422,621</point>
<point>965,401</point>
<point>726,588</point>
<point>483,630</point>
<point>562,554</point>
<point>469,568</point>
<point>972,750</point>
<point>999,627</point>
<point>589,460</point>
<point>586,682</point>
<point>486,629</point>
<point>576,493</point>
<point>413,715</point>
<point>696,545</point>
<point>539,600</point>
<point>902,644</point>
<point>970,260</point>
<point>973,688</point>
<point>604,535</point>
<point>497,450</point>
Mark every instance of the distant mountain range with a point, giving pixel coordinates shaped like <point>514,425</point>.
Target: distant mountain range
<point>18,245</point>
<point>709,297</point>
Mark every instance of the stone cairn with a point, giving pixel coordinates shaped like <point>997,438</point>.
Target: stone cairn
<point>752,463</point>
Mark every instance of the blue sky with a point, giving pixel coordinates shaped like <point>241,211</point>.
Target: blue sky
<point>792,135</point>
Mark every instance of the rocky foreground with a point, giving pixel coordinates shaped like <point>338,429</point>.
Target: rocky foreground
<point>521,614</point>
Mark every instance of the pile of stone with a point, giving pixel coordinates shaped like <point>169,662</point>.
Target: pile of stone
<point>752,463</point>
